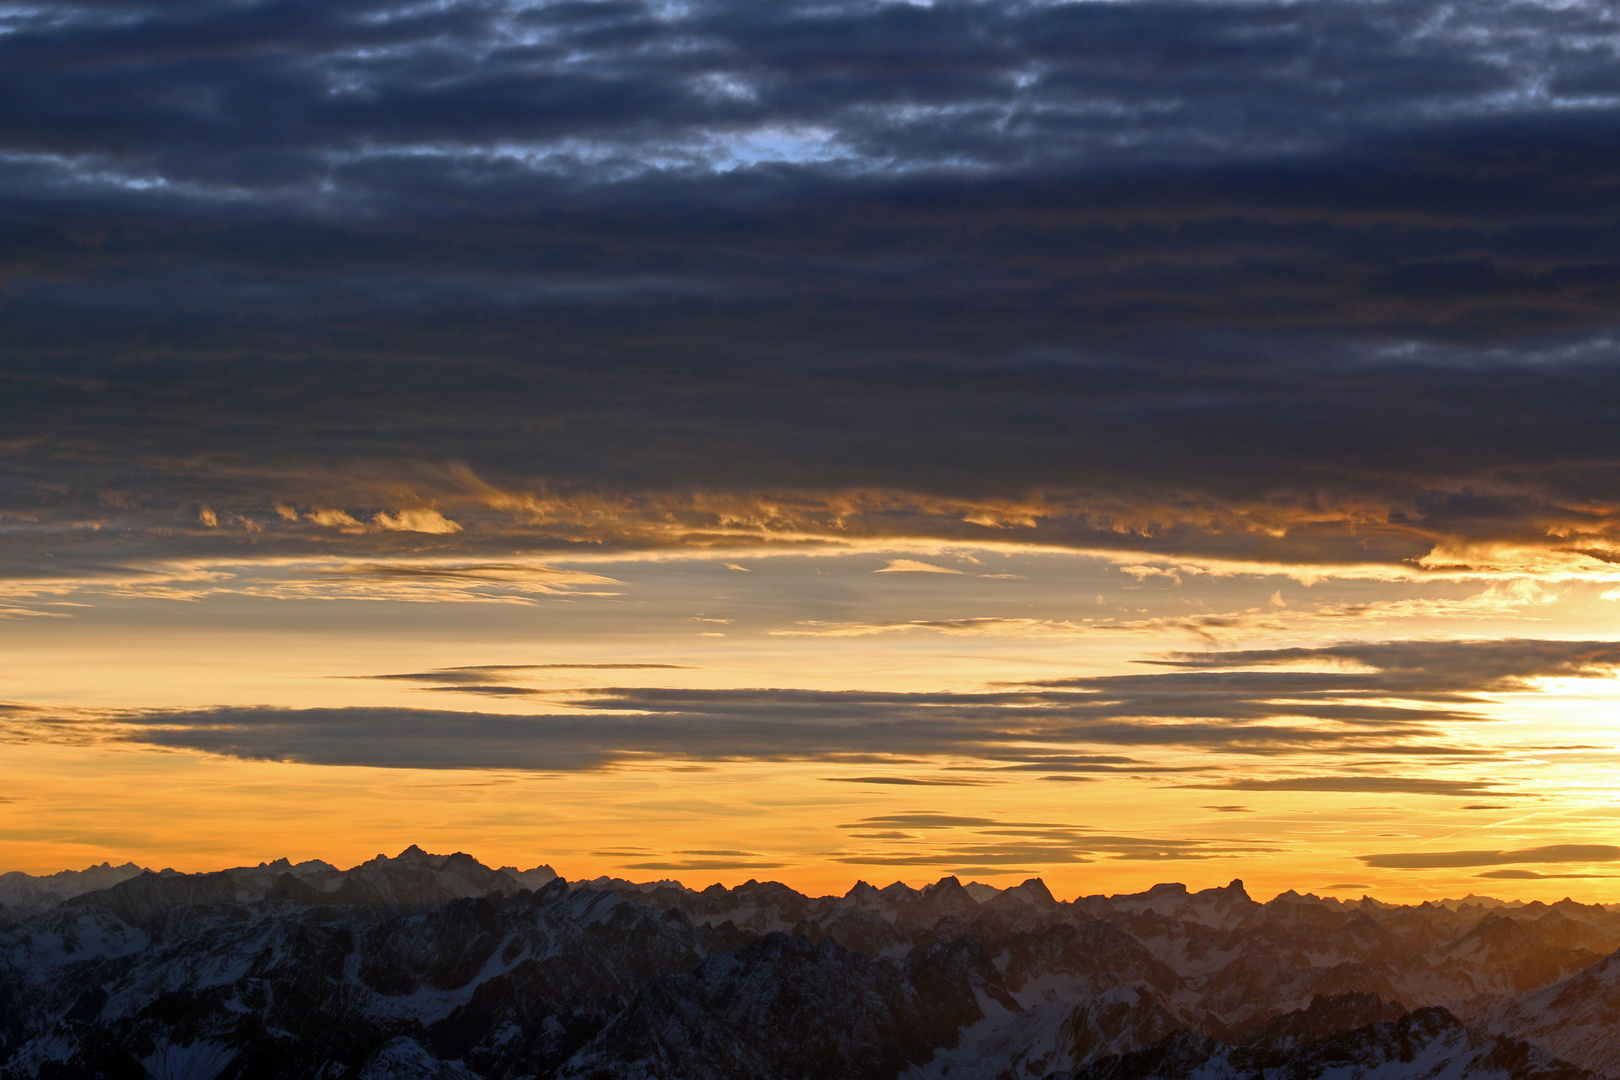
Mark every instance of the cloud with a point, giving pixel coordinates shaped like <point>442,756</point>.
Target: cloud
<point>922,819</point>
<point>1552,853</point>
<point>1203,626</point>
<point>983,857</point>
<point>1076,763</point>
<point>1434,667</point>
<point>492,680</point>
<point>1406,785</point>
<point>334,519</point>
<point>1507,600</point>
<point>572,667</point>
<point>402,581</point>
<point>8,612</point>
<point>419,520</point>
<point>710,89</point>
<point>1407,706</point>
<point>912,566</point>
<point>985,625</point>
<point>1150,279</point>
<point>913,781</point>
<point>704,864</point>
<point>983,842</point>
<point>422,579</point>
<point>444,675</point>
<point>489,677</point>
<point>1531,875</point>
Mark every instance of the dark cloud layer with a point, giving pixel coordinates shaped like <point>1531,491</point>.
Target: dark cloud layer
<point>1395,711</point>
<point>1312,282</point>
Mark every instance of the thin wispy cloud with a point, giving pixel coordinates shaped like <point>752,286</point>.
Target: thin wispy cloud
<point>904,781</point>
<point>1550,853</point>
<point>495,680</point>
<point>977,842</point>
<point>1401,700</point>
<point>1212,627</point>
<point>487,674</point>
<point>1363,783</point>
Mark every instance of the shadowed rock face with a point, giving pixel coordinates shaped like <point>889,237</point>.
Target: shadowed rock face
<point>26,894</point>
<point>1326,1016</point>
<point>435,966</point>
<point>1427,1043</point>
<point>784,1007</point>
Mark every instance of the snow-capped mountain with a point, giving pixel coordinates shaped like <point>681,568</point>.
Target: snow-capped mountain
<point>436,966</point>
<point>22,895</point>
<point>784,1008</point>
<point>1428,1043</point>
<point>1577,1019</point>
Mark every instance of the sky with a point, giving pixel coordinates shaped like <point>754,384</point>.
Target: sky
<point>1118,441</point>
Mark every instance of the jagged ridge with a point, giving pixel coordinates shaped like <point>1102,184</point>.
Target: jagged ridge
<point>437,966</point>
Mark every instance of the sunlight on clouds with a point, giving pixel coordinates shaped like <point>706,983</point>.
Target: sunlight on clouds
<point>454,508</point>
<point>1506,601</point>
<point>912,566</point>
<point>1349,537</point>
<point>335,519</point>
<point>1592,558</point>
<point>420,520</point>
<point>414,581</point>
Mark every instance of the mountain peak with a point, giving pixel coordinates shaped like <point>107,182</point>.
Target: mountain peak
<point>1239,984</point>
<point>1033,890</point>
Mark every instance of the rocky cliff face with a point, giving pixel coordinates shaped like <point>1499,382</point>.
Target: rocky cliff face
<point>436,966</point>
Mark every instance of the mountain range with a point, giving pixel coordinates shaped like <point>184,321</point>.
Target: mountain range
<point>436,967</point>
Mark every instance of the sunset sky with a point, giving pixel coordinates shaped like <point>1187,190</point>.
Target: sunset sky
<point>1118,442</point>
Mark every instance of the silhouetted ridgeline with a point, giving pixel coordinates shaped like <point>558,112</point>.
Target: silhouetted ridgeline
<point>435,966</point>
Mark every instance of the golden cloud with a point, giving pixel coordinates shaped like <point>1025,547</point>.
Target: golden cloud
<point>419,520</point>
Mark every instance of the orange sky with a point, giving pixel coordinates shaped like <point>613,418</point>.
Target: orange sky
<point>97,665</point>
